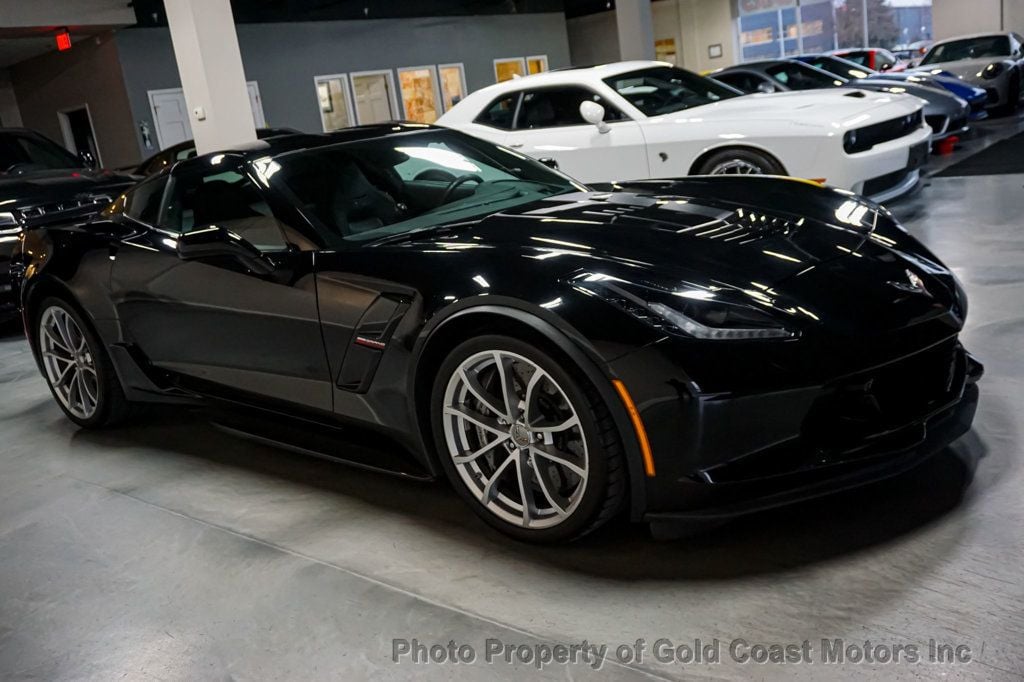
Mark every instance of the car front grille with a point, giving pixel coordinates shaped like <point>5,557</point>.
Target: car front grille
<point>863,139</point>
<point>877,401</point>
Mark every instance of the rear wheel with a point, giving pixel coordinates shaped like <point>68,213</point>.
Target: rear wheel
<point>76,366</point>
<point>740,162</point>
<point>531,447</point>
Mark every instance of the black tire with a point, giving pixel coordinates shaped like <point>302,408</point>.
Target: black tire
<point>605,490</point>
<point>764,164</point>
<point>111,405</point>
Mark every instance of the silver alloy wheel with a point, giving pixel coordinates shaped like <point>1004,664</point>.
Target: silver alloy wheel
<point>736,167</point>
<point>69,363</point>
<point>516,439</point>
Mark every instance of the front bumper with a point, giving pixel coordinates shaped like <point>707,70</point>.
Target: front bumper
<point>884,172</point>
<point>720,456</point>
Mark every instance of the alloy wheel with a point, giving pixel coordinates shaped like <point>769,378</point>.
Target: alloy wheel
<point>69,362</point>
<point>515,439</point>
<point>737,167</point>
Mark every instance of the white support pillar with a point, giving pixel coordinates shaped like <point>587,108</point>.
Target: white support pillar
<point>206,49</point>
<point>636,29</point>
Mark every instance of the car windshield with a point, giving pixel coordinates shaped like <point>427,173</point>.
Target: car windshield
<point>800,76</point>
<point>666,89</point>
<point>28,153</point>
<point>385,187</point>
<point>969,48</point>
<point>840,67</point>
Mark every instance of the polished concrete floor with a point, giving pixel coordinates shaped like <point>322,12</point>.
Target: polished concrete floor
<point>171,551</point>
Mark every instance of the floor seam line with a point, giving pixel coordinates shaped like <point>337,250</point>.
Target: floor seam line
<point>351,572</point>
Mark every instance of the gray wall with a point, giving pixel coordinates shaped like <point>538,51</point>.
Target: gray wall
<point>284,58</point>
<point>89,74</point>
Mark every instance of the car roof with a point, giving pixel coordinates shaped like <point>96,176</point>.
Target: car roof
<point>972,36</point>
<point>273,146</point>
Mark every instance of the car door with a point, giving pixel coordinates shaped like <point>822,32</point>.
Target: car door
<point>218,292</point>
<point>548,125</point>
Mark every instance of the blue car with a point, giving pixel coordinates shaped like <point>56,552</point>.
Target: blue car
<point>975,97</point>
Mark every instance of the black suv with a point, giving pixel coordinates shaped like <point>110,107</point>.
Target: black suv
<point>41,183</point>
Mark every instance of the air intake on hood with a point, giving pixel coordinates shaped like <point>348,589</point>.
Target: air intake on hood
<point>856,94</point>
<point>743,226</point>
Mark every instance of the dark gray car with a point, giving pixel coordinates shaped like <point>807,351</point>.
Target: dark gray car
<point>946,113</point>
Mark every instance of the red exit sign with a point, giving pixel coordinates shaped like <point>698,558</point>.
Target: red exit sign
<point>64,40</point>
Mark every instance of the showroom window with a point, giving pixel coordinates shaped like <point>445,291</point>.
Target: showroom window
<point>776,28</point>
<point>419,89</point>
<point>375,100</point>
<point>507,69</point>
<point>453,84</point>
<point>556,107</point>
<point>335,105</point>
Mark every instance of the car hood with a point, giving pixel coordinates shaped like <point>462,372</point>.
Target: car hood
<point>938,101</point>
<point>967,69</point>
<point>816,107</point>
<point>715,236</point>
<point>30,189</point>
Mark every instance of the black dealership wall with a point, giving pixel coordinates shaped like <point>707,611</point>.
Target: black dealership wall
<point>283,58</point>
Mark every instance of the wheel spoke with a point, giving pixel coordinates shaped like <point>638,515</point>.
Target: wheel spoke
<point>480,394</point>
<point>556,428</point>
<point>528,506</point>
<point>474,417</point>
<point>543,484</point>
<point>54,340</point>
<point>531,386</point>
<point>88,393</point>
<point>490,488</point>
<point>463,459</point>
<point>508,393</point>
<point>558,457</point>
<point>62,328</point>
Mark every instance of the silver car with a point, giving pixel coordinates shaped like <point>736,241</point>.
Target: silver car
<point>946,113</point>
<point>993,61</point>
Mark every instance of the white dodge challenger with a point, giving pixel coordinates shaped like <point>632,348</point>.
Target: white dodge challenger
<point>639,119</point>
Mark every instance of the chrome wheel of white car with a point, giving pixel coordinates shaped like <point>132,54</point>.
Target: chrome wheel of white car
<point>68,362</point>
<point>516,439</point>
<point>736,167</point>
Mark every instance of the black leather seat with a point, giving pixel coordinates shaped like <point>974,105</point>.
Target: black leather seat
<point>357,205</point>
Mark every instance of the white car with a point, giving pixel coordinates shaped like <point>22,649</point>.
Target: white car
<point>637,120</point>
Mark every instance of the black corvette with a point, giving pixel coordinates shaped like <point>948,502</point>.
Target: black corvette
<point>413,299</point>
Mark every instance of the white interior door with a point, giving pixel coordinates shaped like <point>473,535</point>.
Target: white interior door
<point>374,97</point>
<point>171,118</point>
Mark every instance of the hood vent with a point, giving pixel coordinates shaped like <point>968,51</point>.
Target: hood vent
<point>856,94</point>
<point>743,227</point>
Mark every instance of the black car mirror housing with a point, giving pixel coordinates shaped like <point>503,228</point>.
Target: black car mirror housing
<point>214,241</point>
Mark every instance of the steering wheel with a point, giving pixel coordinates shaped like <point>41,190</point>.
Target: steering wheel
<point>435,174</point>
<point>457,182</point>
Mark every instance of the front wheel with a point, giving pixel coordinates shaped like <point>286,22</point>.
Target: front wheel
<point>76,366</point>
<point>529,445</point>
<point>740,162</point>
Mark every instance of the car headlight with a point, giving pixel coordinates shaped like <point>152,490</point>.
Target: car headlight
<point>992,71</point>
<point>696,313</point>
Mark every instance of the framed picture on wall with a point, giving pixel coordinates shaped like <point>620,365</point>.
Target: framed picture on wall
<point>715,51</point>
<point>323,92</point>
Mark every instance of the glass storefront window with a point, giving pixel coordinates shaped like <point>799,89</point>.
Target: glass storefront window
<point>771,29</point>
<point>418,86</point>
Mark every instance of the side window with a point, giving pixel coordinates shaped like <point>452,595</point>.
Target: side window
<point>554,107</point>
<point>741,80</point>
<point>500,112</point>
<point>144,201</point>
<point>224,198</point>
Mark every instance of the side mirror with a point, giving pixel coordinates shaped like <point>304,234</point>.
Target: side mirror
<point>87,160</point>
<point>215,241</point>
<point>766,87</point>
<point>885,67</point>
<point>549,162</point>
<point>593,113</point>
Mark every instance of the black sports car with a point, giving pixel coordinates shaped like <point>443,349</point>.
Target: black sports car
<point>165,158</point>
<point>41,182</point>
<point>680,348</point>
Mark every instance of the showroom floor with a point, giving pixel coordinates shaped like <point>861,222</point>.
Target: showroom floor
<point>170,550</point>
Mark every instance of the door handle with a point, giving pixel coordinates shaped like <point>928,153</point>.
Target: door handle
<point>516,145</point>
